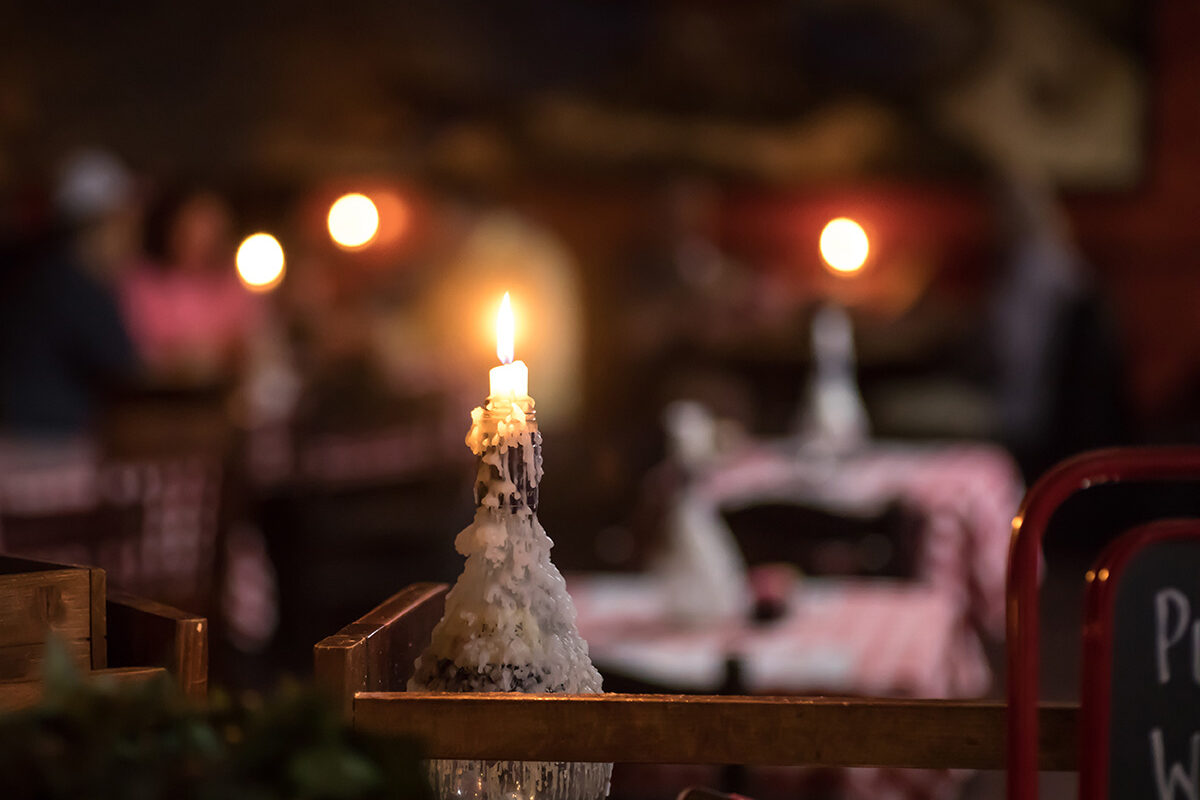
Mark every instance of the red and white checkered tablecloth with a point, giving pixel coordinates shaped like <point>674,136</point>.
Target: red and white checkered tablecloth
<point>967,493</point>
<point>861,637</point>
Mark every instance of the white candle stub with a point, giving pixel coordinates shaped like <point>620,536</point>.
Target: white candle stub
<point>509,382</point>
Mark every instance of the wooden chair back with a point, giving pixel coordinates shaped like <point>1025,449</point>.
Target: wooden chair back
<point>822,542</point>
<point>163,422</point>
<point>366,664</point>
<point>155,526</point>
<point>704,793</point>
<point>376,652</point>
<point>384,540</point>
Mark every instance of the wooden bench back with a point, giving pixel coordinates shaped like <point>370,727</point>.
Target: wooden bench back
<point>376,653</point>
<point>366,665</point>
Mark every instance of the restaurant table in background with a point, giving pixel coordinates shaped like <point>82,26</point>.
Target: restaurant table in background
<point>966,494</point>
<point>860,636</point>
<point>914,638</point>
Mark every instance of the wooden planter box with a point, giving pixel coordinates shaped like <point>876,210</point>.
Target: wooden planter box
<point>121,637</point>
<point>39,600</point>
<point>366,665</point>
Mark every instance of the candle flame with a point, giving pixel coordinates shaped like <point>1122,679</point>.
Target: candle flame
<point>505,331</point>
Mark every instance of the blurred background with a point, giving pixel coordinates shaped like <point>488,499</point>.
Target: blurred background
<point>251,255</point>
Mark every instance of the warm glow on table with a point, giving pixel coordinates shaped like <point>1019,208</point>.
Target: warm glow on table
<point>511,378</point>
<point>353,220</point>
<point>260,262</point>
<point>844,246</point>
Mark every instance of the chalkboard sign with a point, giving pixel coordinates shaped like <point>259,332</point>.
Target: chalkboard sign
<point>1140,722</point>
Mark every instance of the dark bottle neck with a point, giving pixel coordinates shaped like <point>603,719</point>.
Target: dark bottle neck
<point>516,469</point>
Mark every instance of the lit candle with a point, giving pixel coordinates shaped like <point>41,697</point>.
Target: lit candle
<point>509,624</point>
<point>510,380</point>
<point>504,431</point>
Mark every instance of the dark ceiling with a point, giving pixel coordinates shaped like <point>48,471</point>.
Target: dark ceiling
<point>290,89</point>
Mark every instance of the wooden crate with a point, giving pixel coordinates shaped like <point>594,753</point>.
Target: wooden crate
<point>114,636</point>
<point>39,600</point>
<point>143,633</point>
<point>365,665</point>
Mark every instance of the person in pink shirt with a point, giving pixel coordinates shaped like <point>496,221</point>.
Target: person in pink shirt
<point>187,312</point>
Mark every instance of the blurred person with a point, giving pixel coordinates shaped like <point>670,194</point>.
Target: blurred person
<point>189,314</point>
<point>63,344</point>
<point>1058,362</point>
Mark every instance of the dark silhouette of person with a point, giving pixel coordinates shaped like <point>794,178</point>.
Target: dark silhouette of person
<point>63,344</point>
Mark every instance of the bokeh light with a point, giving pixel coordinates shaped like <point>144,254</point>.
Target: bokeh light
<point>844,246</point>
<point>260,262</point>
<point>395,216</point>
<point>353,221</point>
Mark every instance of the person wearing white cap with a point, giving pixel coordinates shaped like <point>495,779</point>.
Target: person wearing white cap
<point>63,344</point>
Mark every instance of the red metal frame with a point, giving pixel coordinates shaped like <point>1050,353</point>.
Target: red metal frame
<point>1103,580</point>
<point>1115,465</point>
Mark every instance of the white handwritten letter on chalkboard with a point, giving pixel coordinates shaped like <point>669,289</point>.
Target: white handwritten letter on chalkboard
<point>1172,613</point>
<point>1153,731</point>
<point>1165,634</point>
<point>1187,782</point>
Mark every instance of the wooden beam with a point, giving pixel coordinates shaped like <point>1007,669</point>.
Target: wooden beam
<point>682,729</point>
<point>99,623</point>
<point>15,695</point>
<point>25,661</point>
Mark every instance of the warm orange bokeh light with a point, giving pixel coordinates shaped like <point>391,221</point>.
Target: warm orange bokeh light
<point>260,262</point>
<point>844,246</point>
<point>395,217</point>
<point>506,327</point>
<point>353,221</point>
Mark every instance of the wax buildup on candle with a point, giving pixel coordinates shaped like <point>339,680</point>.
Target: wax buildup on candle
<point>509,624</point>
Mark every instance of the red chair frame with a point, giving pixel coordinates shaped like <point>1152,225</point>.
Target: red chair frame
<point>1116,465</point>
